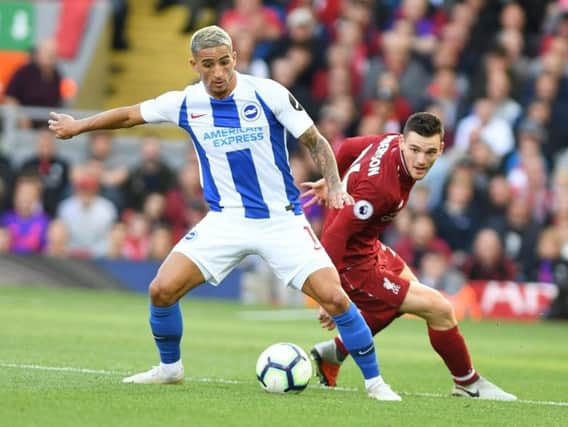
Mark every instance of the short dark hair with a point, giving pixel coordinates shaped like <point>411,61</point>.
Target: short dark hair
<point>424,124</point>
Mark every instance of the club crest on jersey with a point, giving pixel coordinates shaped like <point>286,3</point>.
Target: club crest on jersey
<point>390,286</point>
<point>250,111</point>
<point>363,209</point>
<point>192,235</point>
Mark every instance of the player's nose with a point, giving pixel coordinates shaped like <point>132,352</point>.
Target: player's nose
<point>421,158</point>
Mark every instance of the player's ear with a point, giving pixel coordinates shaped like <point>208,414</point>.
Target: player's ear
<point>193,63</point>
<point>442,146</point>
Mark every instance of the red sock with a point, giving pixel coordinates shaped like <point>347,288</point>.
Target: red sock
<point>451,347</point>
<point>341,347</point>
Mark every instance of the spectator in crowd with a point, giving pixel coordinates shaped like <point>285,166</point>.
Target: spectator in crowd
<point>422,239</point>
<point>57,240</point>
<point>498,90</point>
<point>302,32</point>
<point>116,241</point>
<point>397,59</point>
<point>530,137</point>
<point>548,255</point>
<point>513,44</point>
<point>6,180</point>
<point>552,267</point>
<point>482,125</point>
<point>332,125</point>
<point>184,204</point>
<point>437,272</point>
<point>488,261</point>
<point>26,223</point>
<point>485,164</point>
<point>104,167</point>
<point>252,17</point>
<point>248,64</point>
<point>88,217</point>
<point>52,170</point>
<point>519,233</point>
<point>457,219</point>
<point>152,175</point>
<point>419,201</point>
<point>160,243</point>
<point>136,244</point>
<point>444,90</point>
<point>154,209</point>
<point>38,82</point>
<point>499,197</point>
<point>529,180</point>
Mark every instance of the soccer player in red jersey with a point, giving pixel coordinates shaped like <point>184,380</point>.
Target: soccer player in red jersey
<point>379,171</point>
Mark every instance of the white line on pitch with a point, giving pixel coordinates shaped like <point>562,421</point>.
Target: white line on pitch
<point>279,315</point>
<point>229,381</point>
<point>59,369</point>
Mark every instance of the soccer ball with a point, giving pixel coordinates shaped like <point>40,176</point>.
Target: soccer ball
<point>283,368</point>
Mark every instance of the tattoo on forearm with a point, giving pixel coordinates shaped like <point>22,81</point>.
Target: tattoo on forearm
<point>321,152</point>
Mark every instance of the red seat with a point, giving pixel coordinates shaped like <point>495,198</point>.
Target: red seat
<point>71,26</point>
<point>11,60</point>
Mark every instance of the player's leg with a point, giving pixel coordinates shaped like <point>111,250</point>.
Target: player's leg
<point>177,275</point>
<point>378,297</point>
<point>323,286</point>
<point>298,259</point>
<point>207,253</point>
<point>448,342</point>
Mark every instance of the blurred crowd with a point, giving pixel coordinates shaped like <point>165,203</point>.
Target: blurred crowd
<point>495,206</point>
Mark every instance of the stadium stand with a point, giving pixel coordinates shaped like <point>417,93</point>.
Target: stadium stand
<point>496,72</point>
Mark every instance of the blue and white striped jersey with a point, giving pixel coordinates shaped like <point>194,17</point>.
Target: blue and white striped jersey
<point>240,142</point>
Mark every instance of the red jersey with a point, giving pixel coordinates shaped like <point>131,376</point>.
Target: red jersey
<point>374,173</point>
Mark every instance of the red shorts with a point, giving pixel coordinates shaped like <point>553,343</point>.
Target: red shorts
<point>377,290</point>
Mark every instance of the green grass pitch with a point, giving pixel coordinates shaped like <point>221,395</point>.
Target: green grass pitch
<point>64,352</point>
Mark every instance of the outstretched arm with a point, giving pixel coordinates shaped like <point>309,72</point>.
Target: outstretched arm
<point>65,126</point>
<point>321,152</point>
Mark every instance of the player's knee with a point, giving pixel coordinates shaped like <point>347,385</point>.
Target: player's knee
<point>161,294</point>
<point>336,302</point>
<point>444,309</point>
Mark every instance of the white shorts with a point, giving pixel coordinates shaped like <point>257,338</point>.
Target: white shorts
<point>287,243</point>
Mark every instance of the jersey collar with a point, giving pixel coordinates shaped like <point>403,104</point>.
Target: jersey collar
<point>402,170</point>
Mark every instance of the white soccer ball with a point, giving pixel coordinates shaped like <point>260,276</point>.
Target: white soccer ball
<point>283,368</point>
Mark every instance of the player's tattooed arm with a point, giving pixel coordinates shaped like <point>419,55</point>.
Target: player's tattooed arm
<point>322,154</point>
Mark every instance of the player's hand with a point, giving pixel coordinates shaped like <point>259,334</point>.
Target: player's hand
<point>63,125</point>
<point>317,190</point>
<point>338,197</point>
<point>326,321</point>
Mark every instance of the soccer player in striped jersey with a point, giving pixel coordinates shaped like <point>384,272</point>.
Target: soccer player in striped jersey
<point>238,125</point>
<point>379,171</point>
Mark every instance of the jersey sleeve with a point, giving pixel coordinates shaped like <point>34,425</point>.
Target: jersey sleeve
<point>288,111</point>
<point>164,108</point>
<point>349,221</point>
<point>350,150</point>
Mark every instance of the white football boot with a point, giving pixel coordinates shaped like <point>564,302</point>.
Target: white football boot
<point>482,389</point>
<point>380,390</point>
<point>157,375</point>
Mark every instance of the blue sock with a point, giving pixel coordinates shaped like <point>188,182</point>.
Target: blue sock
<point>167,328</point>
<point>357,338</point>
